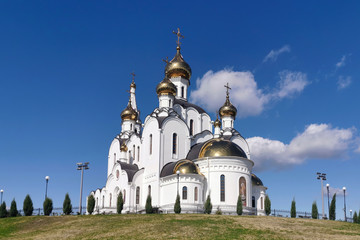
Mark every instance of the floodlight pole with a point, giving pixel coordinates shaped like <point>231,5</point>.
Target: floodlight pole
<point>322,176</point>
<point>177,173</point>
<point>327,187</point>
<point>344,189</point>
<point>82,166</point>
<point>2,191</point>
<point>47,180</point>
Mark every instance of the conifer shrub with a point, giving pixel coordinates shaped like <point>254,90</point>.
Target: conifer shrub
<point>314,211</point>
<point>90,204</point>
<point>148,206</point>
<point>28,207</point>
<point>177,206</point>
<point>208,205</point>
<point>359,217</point>
<point>355,217</point>
<point>13,209</point>
<point>48,206</point>
<point>293,209</point>
<point>120,203</point>
<point>218,211</point>
<point>3,211</point>
<point>267,205</point>
<point>239,206</point>
<point>67,207</point>
<point>332,213</point>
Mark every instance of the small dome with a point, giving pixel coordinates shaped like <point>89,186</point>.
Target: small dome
<point>178,67</point>
<point>228,109</point>
<point>166,87</point>
<point>185,167</point>
<point>218,147</point>
<point>123,147</point>
<point>129,113</point>
<point>217,122</point>
<point>256,180</point>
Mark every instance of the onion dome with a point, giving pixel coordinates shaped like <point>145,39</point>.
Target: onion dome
<point>123,147</point>
<point>166,87</point>
<point>177,67</point>
<point>256,180</point>
<point>129,113</point>
<point>185,167</point>
<point>219,147</point>
<point>217,122</point>
<point>228,109</point>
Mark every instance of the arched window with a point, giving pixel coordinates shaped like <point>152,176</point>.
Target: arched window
<point>184,193</point>
<point>131,126</point>
<point>182,92</point>
<point>110,200</point>
<point>114,157</point>
<point>262,203</point>
<point>103,201</point>
<point>195,194</point>
<point>137,195</point>
<point>124,195</point>
<point>253,201</point>
<point>149,190</point>
<point>134,151</point>
<point>138,153</point>
<point>191,127</point>
<point>97,202</point>
<point>242,190</point>
<point>150,144</point>
<point>222,188</point>
<point>174,146</point>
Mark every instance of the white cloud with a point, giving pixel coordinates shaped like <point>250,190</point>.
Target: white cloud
<point>245,94</point>
<point>273,54</point>
<point>344,82</point>
<point>332,191</point>
<point>318,141</point>
<point>341,63</point>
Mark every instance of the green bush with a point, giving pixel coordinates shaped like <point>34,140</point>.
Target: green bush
<point>67,207</point>
<point>28,206</point>
<point>13,209</point>
<point>90,204</point>
<point>48,206</point>
<point>293,209</point>
<point>3,211</point>
<point>267,205</point>
<point>332,213</point>
<point>148,206</point>
<point>314,211</point>
<point>359,217</point>
<point>239,206</point>
<point>177,206</point>
<point>120,203</point>
<point>218,211</point>
<point>208,205</point>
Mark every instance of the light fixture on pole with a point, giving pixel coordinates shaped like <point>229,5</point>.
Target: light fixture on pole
<point>322,177</point>
<point>1,191</point>
<point>344,189</point>
<point>47,180</point>
<point>177,173</point>
<point>350,213</point>
<point>327,187</point>
<point>82,166</point>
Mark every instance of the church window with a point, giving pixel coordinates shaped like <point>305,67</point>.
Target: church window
<point>222,188</point>
<point>174,143</point>
<point>114,158</point>
<point>131,126</point>
<point>253,201</point>
<point>182,92</point>
<point>137,195</point>
<point>262,203</point>
<point>196,194</point>
<point>242,190</point>
<point>138,153</point>
<point>97,202</point>
<point>124,195</point>
<point>103,201</point>
<point>110,200</point>
<point>191,127</point>
<point>134,151</point>
<point>149,190</point>
<point>184,193</point>
<point>150,144</point>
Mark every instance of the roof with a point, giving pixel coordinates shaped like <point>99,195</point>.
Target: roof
<point>255,180</point>
<point>129,169</point>
<point>168,169</point>
<point>194,151</point>
<point>186,104</point>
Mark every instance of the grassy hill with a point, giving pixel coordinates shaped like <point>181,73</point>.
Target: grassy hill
<point>170,226</point>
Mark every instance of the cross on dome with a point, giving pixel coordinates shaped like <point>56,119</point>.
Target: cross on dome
<point>227,89</point>
<point>178,34</point>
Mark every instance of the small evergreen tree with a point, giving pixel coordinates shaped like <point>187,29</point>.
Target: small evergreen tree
<point>332,214</point>
<point>359,217</point>
<point>28,206</point>
<point>208,205</point>
<point>13,209</point>
<point>67,207</point>
<point>293,209</point>
<point>355,217</point>
<point>120,203</point>
<point>148,206</point>
<point>239,206</point>
<point>90,204</point>
<point>177,206</point>
<point>314,211</point>
<point>3,211</point>
<point>48,206</point>
<point>267,205</point>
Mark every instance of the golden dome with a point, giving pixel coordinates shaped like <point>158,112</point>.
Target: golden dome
<point>123,147</point>
<point>218,147</point>
<point>129,113</point>
<point>217,122</point>
<point>228,109</point>
<point>178,67</point>
<point>166,87</point>
<point>185,167</point>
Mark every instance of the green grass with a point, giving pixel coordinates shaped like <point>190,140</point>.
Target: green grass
<point>170,226</point>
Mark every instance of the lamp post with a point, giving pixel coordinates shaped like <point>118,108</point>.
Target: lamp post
<point>82,166</point>
<point>2,191</point>
<point>178,174</point>
<point>350,213</point>
<point>327,187</point>
<point>344,189</point>
<point>322,177</point>
<point>47,180</point>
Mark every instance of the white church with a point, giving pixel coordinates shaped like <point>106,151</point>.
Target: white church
<point>178,149</point>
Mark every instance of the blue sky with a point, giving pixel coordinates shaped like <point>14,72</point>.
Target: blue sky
<point>65,68</point>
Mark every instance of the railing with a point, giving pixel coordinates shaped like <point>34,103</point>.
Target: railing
<point>287,213</point>
<point>55,212</point>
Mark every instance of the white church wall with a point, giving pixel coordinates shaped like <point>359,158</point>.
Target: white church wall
<point>193,114</point>
<point>201,137</point>
<point>206,122</point>
<point>241,142</point>
<point>134,146</point>
<point>114,154</point>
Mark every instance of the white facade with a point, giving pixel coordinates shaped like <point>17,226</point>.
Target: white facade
<point>143,159</point>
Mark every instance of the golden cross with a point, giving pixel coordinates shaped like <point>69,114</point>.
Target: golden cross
<point>133,76</point>
<point>178,34</point>
<point>227,89</point>
<point>166,60</point>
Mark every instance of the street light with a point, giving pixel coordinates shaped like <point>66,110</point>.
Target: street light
<point>322,177</point>
<point>47,180</point>
<point>177,173</point>
<point>344,189</point>
<point>82,166</point>
<point>2,191</point>
<point>327,187</point>
<point>350,213</point>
